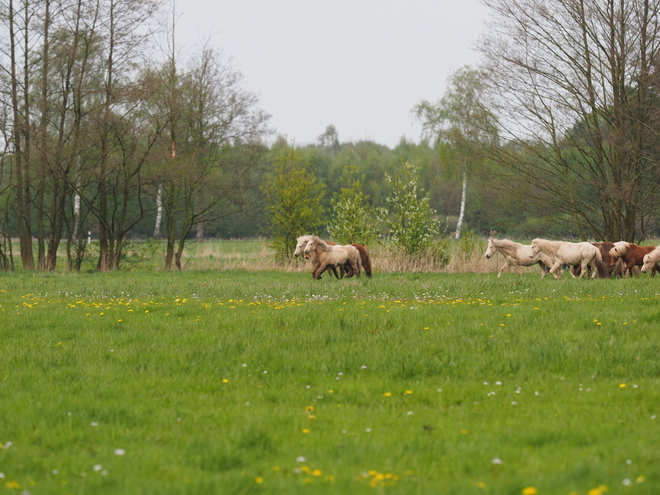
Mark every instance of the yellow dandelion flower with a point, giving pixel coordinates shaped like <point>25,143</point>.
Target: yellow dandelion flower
<point>225,380</point>
<point>387,394</point>
<point>623,385</point>
<point>640,479</point>
<point>481,484</point>
<point>12,484</point>
<point>317,472</point>
<point>408,392</point>
<point>258,480</point>
<point>305,430</point>
<point>309,408</point>
<point>530,490</point>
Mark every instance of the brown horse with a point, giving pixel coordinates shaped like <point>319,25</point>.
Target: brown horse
<point>631,254</point>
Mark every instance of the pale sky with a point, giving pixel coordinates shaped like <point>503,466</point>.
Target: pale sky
<point>361,65</point>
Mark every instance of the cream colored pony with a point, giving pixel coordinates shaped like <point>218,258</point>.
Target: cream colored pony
<point>301,244</point>
<point>516,254</point>
<point>561,253</point>
<point>333,255</point>
<point>651,261</point>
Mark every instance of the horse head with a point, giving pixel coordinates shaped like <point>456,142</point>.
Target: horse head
<point>534,251</point>
<point>300,246</point>
<point>311,244</point>
<point>647,263</point>
<point>491,249</point>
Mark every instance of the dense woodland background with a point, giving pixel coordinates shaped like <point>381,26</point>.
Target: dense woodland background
<point>110,130</point>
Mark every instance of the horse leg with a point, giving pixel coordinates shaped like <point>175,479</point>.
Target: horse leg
<point>355,268</point>
<point>506,263</point>
<point>553,270</point>
<point>347,270</point>
<point>358,265</point>
<point>544,269</point>
<point>320,270</point>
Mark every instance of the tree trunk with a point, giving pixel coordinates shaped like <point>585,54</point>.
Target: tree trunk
<point>22,176</point>
<point>461,215</point>
<point>159,211</point>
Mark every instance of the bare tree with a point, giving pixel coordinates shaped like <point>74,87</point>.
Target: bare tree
<point>574,84</point>
<point>204,112</point>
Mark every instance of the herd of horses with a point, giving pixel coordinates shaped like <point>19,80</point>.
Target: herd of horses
<point>350,259</point>
<point>594,259</point>
<point>591,259</point>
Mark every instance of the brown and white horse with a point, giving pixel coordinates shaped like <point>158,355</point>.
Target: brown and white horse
<point>631,254</point>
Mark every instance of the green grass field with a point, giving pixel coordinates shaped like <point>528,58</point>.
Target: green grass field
<point>243,382</point>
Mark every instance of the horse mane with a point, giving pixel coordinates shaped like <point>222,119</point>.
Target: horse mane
<point>546,245</point>
<point>320,242</point>
<point>509,247</point>
<point>622,247</point>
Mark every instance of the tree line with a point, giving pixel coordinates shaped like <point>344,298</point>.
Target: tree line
<point>109,131</point>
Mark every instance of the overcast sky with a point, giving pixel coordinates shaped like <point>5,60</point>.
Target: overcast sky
<point>361,65</point>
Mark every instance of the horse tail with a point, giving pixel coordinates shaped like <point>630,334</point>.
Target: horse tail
<point>366,261</point>
<point>600,265</point>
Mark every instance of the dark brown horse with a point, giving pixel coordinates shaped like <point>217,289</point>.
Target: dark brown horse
<point>632,256</point>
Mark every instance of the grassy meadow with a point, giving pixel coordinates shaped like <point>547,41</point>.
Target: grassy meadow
<point>256,382</point>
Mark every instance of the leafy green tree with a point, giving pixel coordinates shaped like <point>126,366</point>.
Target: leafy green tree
<point>409,217</point>
<point>353,216</point>
<point>293,202</point>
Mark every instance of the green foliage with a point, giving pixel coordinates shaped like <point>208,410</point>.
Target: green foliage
<point>353,216</point>
<point>409,218</point>
<point>467,243</point>
<point>293,202</point>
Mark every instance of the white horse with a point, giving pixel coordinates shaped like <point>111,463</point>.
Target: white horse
<point>301,244</point>
<point>561,253</point>
<point>651,261</point>
<point>333,255</point>
<point>516,254</point>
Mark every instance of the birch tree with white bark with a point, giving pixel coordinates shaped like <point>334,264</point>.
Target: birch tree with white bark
<point>460,119</point>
